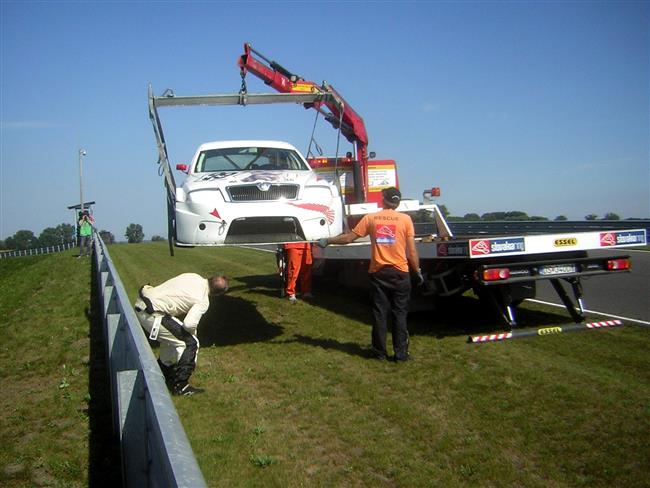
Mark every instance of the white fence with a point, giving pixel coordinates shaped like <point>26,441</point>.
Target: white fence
<point>34,252</point>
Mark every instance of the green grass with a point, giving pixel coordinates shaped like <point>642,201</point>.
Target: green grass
<point>49,366</point>
<point>293,400</point>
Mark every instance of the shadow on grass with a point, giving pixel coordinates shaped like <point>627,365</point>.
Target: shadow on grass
<point>455,316</point>
<point>269,285</point>
<point>233,320</point>
<point>351,348</point>
<point>104,459</point>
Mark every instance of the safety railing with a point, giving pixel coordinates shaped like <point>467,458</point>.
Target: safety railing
<point>40,250</point>
<point>155,449</point>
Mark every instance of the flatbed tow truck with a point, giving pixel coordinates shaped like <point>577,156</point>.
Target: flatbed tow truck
<point>502,270</point>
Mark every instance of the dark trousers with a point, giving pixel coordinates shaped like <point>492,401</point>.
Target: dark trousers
<point>181,371</point>
<point>84,245</point>
<point>390,291</point>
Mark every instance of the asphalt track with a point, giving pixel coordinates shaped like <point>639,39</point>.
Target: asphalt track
<point>625,296</point>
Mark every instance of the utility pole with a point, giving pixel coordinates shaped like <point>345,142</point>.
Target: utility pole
<point>82,153</point>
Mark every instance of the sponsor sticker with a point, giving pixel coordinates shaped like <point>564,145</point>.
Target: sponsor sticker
<point>386,234</point>
<point>445,249</point>
<point>483,247</point>
<point>302,87</point>
<point>566,241</point>
<point>620,238</point>
<point>549,330</point>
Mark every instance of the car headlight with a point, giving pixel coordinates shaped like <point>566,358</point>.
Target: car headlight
<point>205,196</point>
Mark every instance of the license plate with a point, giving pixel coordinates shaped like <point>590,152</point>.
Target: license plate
<point>557,269</point>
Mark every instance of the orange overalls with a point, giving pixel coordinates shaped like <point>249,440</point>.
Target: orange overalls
<point>299,261</point>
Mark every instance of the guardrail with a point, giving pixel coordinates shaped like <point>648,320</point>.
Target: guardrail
<point>41,250</point>
<point>155,449</point>
<point>501,227</point>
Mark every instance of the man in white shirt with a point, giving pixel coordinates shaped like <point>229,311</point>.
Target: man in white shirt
<point>170,313</point>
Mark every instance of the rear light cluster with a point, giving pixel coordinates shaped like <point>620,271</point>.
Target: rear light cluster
<point>618,264</point>
<point>495,274</point>
<point>322,161</point>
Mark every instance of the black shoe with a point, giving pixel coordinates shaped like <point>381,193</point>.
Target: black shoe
<point>186,390</point>
<point>402,359</point>
<point>376,354</point>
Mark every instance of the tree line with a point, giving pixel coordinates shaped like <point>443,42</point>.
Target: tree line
<point>425,216</point>
<point>64,234</point>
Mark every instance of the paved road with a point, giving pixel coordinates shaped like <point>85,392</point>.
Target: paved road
<point>625,295</point>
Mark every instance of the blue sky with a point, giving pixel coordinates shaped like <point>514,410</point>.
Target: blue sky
<point>534,106</point>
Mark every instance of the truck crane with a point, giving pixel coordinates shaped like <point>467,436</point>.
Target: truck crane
<point>234,194</point>
<point>340,114</point>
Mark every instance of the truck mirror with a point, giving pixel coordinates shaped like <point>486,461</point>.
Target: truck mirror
<point>372,154</point>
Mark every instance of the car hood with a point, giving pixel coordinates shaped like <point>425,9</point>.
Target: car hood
<point>229,178</point>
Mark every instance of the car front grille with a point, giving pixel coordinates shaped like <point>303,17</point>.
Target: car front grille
<point>253,193</point>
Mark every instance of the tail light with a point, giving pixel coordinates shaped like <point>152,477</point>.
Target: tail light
<point>619,264</point>
<point>495,274</point>
<point>317,161</point>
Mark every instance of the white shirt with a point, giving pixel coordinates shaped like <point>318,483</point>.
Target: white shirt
<point>187,294</point>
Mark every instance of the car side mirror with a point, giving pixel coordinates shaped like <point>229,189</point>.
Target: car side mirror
<point>372,155</point>
<point>182,167</point>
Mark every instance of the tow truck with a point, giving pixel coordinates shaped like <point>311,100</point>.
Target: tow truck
<point>502,270</point>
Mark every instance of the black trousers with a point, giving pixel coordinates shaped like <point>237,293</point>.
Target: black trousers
<point>181,372</point>
<point>390,291</point>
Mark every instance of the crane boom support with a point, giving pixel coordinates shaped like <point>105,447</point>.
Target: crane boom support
<point>339,113</point>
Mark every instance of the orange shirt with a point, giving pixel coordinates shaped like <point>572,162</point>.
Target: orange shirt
<point>389,231</point>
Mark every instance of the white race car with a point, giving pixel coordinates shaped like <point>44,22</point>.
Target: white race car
<point>250,192</point>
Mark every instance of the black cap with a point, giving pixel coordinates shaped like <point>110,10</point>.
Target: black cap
<point>391,195</point>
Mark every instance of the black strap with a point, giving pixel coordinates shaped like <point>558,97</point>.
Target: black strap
<point>176,329</point>
<point>149,306</point>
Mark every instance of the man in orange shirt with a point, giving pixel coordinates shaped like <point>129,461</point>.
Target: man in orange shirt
<point>393,252</point>
<point>299,262</point>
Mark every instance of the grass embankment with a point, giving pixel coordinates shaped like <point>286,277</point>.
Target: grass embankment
<point>55,427</point>
<point>293,400</point>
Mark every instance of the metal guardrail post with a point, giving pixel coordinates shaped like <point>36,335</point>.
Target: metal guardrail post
<point>155,448</point>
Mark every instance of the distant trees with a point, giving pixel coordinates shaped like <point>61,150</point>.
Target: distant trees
<point>607,216</point>
<point>23,239</point>
<point>49,237</point>
<point>157,238</point>
<point>107,237</point>
<point>52,236</point>
<point>514,215</point>
<point>134,233</point>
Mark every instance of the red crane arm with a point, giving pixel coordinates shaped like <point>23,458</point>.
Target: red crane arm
<point>284,81</point>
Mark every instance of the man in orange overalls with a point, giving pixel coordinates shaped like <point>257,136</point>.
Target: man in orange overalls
<point>299,261</point>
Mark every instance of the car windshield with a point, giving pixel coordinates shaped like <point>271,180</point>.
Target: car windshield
<point>249,158</point>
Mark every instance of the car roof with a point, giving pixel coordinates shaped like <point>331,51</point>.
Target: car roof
<point>246,143</point>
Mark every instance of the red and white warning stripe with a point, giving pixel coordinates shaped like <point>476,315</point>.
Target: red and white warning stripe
<point>605,323</point>
<point>543,331</point>
<point>492,337</point>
